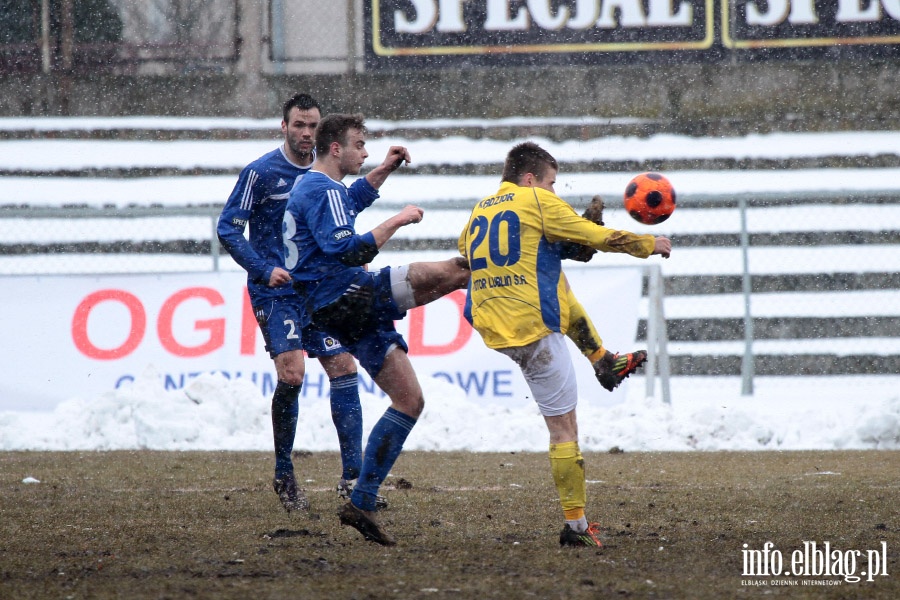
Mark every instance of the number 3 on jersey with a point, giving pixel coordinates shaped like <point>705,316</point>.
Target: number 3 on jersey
<point>288,230</point>
<point>503,242</point>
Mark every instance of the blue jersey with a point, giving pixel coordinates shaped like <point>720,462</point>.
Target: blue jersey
<point>323,252</point>
<point>259,198</point>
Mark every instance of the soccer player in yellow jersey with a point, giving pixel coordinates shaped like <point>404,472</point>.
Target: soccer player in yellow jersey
<point>521,304</point>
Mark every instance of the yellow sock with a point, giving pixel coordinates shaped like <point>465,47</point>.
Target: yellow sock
<point>567,465</point>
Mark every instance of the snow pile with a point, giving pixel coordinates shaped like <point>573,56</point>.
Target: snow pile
<point>214,413</point>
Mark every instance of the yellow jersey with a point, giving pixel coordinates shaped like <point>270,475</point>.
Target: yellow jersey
<point>513,242</point>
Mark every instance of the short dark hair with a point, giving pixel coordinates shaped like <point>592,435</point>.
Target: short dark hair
<point>301,101</point>
<point>527,157</point>
<point>334,128</point>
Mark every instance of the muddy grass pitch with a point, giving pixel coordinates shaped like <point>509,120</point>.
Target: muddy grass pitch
<point>104,525</point>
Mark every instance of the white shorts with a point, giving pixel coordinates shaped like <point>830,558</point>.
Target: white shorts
<point>548,370</point>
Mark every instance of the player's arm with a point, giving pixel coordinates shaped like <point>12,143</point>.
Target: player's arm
<point>562,223</point>
<point>579,252</point>
<point>408,216</point>
<point>361,194</point>
<point>335,235</point>
<point>396,156</point>
<point>232,223</point>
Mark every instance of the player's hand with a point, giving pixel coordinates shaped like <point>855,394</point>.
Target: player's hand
<point>395,157</point>
<point>579,252</point>
<point>662,246</point>
<point>279,277</point>
<point>410,214</point>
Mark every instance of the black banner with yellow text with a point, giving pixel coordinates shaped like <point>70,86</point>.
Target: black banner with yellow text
<point>453,33</point>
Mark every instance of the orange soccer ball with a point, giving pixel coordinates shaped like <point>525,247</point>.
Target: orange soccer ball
<point>650,198</point>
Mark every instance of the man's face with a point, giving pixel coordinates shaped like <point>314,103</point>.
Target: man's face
<point>547,181</point>
<point>300,131</point>
<point>354,154</point>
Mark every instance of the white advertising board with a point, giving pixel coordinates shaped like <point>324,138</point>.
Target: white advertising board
<point>80,336</point>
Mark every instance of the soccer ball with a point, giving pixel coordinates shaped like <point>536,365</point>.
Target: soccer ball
<point>650,198</point>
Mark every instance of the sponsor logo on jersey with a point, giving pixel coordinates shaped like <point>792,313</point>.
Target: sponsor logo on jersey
<point>239,222</point>
<point>343,233</point>
<point>281,182</point>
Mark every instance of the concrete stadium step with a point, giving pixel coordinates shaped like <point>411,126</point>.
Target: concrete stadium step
<point>786,365</point>
<point>700,284</point>
<point>489,169</point>
<point>554,128</point>
<point>719,240</point>
<point>671,151</point>
<point>677,164</point>
<point>777,328</point>
<point>683,285</point>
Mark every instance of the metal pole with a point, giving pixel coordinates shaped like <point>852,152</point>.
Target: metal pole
<point>657,337</point>
<point>214,243</point>
<point>652,333</point>
<point>277,35</point>
<point>45,36</point>
<point>68,34</point>
<point>747,365</point>
<point>662,344</point>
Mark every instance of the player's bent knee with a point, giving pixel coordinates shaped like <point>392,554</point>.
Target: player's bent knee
<point>290,367</point>
<point>410,407</point>
<point>338,365</point>
<point>292,378</point>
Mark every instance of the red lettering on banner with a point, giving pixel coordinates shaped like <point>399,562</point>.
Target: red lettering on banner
<point>416,341</point>
<point>216,327</point>
<point>83,312</point>
<point>248,328</point>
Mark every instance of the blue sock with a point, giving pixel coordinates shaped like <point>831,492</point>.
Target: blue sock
<point>285,408</point>
<point>346,413</point>
<point>383,448</point>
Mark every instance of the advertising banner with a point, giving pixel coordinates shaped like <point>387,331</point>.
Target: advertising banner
<point>80,336</point>
<point>439,33</point>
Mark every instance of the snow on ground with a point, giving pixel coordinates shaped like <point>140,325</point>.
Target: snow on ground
<point>213,413</point>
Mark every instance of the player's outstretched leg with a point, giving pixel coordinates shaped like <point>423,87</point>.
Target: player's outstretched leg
<point>432,280</point>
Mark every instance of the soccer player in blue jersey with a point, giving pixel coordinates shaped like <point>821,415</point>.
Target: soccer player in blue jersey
<point>519,236</point>
<point>258,199</point>
<point>327,259</point>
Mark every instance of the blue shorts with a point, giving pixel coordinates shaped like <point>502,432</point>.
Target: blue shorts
<point>279,321</point>
<point>363,319</point>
